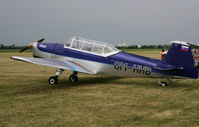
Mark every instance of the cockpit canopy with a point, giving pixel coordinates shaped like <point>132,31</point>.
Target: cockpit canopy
<point>92,46</point>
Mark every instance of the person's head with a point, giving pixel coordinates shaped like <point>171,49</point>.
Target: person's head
<point>162,50</point>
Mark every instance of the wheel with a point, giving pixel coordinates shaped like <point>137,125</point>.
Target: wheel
<point>163,84</point>
<point>73,78</point>
<point>52,80</point>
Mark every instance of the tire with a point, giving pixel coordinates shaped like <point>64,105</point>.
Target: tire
<point>163,84</point>
<point>73,78</point>
<point>53,80</point>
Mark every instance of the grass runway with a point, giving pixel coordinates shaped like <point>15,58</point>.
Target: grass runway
<point>26,98</point>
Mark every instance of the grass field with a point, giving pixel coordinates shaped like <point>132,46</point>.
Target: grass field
<point>26,99</point>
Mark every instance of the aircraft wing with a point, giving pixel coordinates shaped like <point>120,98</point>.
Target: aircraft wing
<point>65,65</point>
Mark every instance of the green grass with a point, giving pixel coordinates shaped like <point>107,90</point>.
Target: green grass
<point>26,99</point>
<point>12,50</point>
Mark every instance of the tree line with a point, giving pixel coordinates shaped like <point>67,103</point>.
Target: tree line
<point>2,46</point>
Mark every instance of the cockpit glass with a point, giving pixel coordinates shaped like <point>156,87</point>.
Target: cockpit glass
<point>68,43</point>
<point>92,46</point>
<point>77,44</point>
<point>97,49</point>
<point>87,47</point>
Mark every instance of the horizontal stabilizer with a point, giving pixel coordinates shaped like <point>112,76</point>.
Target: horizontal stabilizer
<point>167,67</point>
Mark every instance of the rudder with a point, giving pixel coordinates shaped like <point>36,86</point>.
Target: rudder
<point>180,55</point>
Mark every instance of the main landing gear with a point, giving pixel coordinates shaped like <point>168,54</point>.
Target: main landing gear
<point>53,80</point>
<point>73,77</point>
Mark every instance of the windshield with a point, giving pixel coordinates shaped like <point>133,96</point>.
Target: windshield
<point>92,46</point>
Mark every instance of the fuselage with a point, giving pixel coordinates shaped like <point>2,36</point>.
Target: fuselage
<point>117,64</point>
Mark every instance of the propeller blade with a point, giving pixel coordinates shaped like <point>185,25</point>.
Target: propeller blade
<point>31,45</point>
<point>23,49</point>
<point>39,41</point>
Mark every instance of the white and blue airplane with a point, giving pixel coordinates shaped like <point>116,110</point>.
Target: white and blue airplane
<point>94,57</point>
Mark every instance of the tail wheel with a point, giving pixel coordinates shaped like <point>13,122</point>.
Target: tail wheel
<point>53,80</point>
<point>73,78</point>
<point>163,84</point>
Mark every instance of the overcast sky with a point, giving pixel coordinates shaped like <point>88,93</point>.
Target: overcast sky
<point>132,21</point>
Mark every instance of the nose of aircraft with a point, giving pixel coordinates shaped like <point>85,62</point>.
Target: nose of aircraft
<point>31,45</point>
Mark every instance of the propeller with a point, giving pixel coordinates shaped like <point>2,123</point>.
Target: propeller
<point>41,40</point>
<point>23,49</point>
<point>31,45</point>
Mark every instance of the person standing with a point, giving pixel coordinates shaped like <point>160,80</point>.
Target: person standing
<point>162,54</point>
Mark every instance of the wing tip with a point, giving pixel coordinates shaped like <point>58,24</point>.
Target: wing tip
<point>12,57</point>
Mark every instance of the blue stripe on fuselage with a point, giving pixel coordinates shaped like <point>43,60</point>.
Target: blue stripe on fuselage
<point>135,59</point>
<point>58,49</point>
<point>46,47</point>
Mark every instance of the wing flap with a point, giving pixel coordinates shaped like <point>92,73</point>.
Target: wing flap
<point>66,65</point>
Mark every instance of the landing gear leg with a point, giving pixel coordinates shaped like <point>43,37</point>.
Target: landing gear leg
<point>73,77</point>
<point>53,80</point>
<point>162,84</point>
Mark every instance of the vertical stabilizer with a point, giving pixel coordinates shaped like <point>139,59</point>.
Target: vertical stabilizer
<point>180,55</point>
